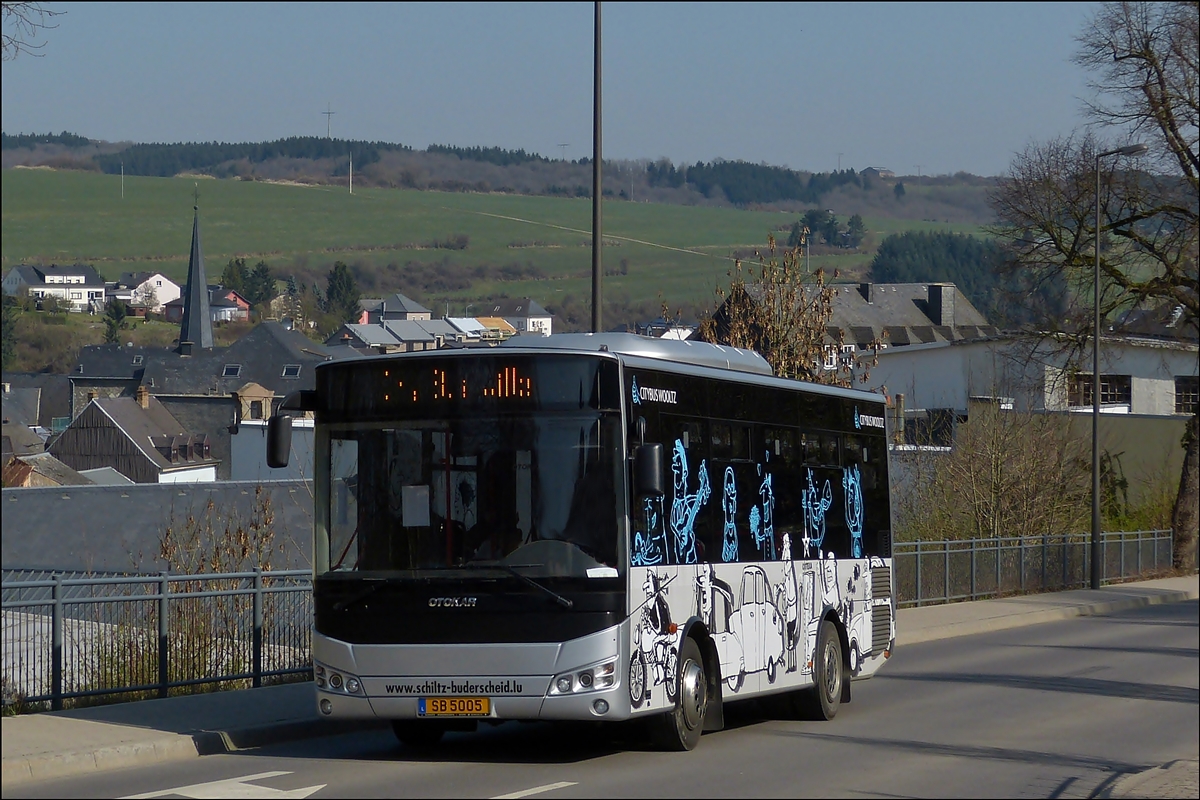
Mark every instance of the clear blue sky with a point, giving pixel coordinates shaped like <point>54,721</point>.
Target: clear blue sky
<point>946,86</point>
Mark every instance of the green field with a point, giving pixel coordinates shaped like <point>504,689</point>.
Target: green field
<point>680,253</point>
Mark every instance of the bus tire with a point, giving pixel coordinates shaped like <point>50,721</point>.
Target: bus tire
<point>822,699</point>
<point>680,728</point>
<point>418,734</point>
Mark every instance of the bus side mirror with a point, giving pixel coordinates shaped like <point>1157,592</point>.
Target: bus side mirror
<point>279,440</point>
<point>648,470</point>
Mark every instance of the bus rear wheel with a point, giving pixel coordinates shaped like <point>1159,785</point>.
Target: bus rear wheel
<point>680,728</point>
<point>418,734</point>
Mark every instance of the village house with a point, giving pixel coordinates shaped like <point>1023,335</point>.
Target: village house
<point>76,288</point>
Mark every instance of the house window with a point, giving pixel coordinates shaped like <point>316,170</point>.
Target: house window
<point>291,370</point>
<point>232,371</point>
<point>1187,393</point>
<point>76,295</point>
<point>137,360</point>
<point>256,409</point>
<point>1115,390</point>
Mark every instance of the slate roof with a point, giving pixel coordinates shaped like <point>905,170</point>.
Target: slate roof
<point>106,476</point>
<point>509,307</point>
<point>20,405</point>
<point>90,276</point>
<point>20,440</point>
<point>396,304</point>
<point>196,327</point>
<point>150,428</point>
<point>55,400</point>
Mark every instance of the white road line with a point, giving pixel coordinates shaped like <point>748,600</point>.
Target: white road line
<point>238,788</point>
<point>549,787</point>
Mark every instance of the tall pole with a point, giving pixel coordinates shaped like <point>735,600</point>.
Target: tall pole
<point>597,192</point>
<point>1097,566</point>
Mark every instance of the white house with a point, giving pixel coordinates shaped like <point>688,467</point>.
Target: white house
<point>149,290</point>
<point>78,287</point>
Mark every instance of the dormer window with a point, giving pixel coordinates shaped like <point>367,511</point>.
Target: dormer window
<point>291,370</point>
<point>137,360</point>
<point>79,369</point>
<point>232,371</point>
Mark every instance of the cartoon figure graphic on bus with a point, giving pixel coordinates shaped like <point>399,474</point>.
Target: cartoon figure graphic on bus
<point>852,485</point>
<point>830,598</point>
<point>815,504</point>
<point>854,613</point>
<point>787,600</point>
<point>649,546</point>
<point>747,629</point>
<point>685,507</point>
<point>654,659</point>
<point>729,541</point>
<point>764,531</point>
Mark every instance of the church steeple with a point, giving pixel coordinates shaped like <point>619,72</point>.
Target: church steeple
<point>196,329</point>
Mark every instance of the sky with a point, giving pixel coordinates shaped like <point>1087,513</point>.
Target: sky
<point>912,87</point>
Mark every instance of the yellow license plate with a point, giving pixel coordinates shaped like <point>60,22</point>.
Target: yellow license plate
<point>454,706</point>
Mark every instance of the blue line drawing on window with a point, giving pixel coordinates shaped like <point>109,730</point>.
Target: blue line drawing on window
<point>729,544</point>
<point>815,504</point>
<point>764,537</point>
<point>852,484</point>
<point>649,546</point>
<point>637,400</point>
<point>857,421</point>
<point>685,507</point>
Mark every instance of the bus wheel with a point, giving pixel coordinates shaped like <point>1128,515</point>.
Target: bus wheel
<point>637,679</point>
<point>418,734</point>
<point>680,728</point>
<point>822,700</point>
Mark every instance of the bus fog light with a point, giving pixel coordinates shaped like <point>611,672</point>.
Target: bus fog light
<point>601,706</point>
<point>326,707</point>
<point>563,684</point>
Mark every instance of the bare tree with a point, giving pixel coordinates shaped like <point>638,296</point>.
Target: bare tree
<point>782,310</point>
<point>21,24</point>
<point>1144,59</point>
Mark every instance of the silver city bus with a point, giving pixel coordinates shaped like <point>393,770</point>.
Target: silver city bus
<point>591,527</point>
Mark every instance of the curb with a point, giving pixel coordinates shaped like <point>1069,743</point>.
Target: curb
<point>169,747</point>
<point>1173,779</point>
<point>957,629</point>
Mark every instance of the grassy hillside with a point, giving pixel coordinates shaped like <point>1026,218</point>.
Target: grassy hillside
<point>678,253</point>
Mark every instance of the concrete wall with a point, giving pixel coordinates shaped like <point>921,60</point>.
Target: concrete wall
<point>119,528</point>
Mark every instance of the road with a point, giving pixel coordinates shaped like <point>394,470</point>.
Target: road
<point>1054,710</point>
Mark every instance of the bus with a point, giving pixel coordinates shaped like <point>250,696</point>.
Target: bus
<point>591,527</point>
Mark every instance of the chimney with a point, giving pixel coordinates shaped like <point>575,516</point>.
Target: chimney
<point>143,397</point>
<point>941,303</point>
<point>91,396</point>
<point>865,290</point>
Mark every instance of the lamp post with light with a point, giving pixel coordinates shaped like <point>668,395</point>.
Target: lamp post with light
<point>1097,563</point>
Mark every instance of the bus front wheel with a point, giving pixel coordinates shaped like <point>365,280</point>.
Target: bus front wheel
<point>680,728</point>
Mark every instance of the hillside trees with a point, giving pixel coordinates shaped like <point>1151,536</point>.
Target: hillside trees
<point>1143,59</point>
<point>342,293</point>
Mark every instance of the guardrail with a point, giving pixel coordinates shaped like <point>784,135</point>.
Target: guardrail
<point>143,635</point>
<point>973,569</point>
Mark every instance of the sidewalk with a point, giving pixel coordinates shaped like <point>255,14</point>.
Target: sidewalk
<point>39,747</point>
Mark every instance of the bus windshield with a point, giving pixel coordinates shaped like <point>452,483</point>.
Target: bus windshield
<point>534,492</point>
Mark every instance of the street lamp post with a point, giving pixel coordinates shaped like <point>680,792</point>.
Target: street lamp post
<point>1097,563</point>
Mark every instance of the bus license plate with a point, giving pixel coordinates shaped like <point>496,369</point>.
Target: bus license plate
<point>454,706</point>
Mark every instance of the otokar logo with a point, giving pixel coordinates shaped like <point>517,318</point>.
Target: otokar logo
<point>452,602</point>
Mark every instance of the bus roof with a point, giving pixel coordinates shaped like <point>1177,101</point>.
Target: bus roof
<point>651,353</point>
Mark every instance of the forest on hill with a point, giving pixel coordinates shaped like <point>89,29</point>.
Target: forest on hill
<point>958,198</point>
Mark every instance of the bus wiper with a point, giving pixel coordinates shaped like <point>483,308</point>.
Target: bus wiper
<point>371,589</point>
<point>511,569</point>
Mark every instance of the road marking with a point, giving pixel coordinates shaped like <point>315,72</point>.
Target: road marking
<point>549,787</point>
<point>234,788</point>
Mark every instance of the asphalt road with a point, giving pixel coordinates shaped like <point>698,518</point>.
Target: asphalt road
<point>1055,710</point>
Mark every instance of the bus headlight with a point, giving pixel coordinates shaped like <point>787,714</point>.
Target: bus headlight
<point>602,676</point>
<point>332,680</point>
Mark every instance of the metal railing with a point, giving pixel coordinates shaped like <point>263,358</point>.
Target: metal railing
<point>144,635</point>
<point>78,636</point>
<point>973,569</point>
